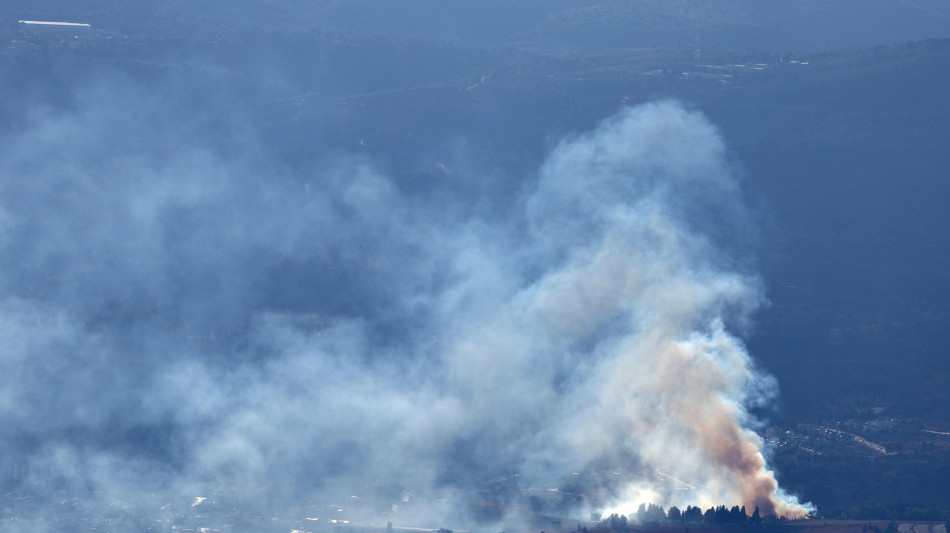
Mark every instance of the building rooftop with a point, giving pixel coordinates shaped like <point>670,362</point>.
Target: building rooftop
<point>48,23</point>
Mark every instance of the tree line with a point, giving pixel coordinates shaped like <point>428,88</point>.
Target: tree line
<point>652,514</point>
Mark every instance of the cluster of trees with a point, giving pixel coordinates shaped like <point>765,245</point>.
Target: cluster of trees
<point>653,514</point>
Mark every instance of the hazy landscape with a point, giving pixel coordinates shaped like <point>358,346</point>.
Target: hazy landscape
<point>485,266</point>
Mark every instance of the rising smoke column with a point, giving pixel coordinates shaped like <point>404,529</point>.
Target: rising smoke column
<point>182,322</point>
<point>637,219</point>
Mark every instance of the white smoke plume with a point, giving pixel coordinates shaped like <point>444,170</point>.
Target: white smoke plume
<point>621,333</point>
<point>179,323</point>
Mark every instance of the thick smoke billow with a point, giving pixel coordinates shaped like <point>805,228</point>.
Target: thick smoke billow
<point>181,320</point>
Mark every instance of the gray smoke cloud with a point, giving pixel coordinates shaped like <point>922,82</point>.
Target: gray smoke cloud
<point>181,319</point>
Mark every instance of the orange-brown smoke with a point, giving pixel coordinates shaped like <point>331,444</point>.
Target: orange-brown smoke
<point>645,282</point>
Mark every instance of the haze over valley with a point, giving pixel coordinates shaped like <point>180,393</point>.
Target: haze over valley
<point>487,266</point>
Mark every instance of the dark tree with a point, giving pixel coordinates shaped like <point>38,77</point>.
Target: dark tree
<point>756,518</point>
<point>674,514</point>
<point>737,515</point>
<point>693,514</point>
<point>722,515</point>
<point>617,522</point>
<point>656,514</point>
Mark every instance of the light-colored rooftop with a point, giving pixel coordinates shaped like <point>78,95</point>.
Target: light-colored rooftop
<point>48,23</point>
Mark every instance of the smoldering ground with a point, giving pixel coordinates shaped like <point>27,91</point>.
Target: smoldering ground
<point>185,314</point>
